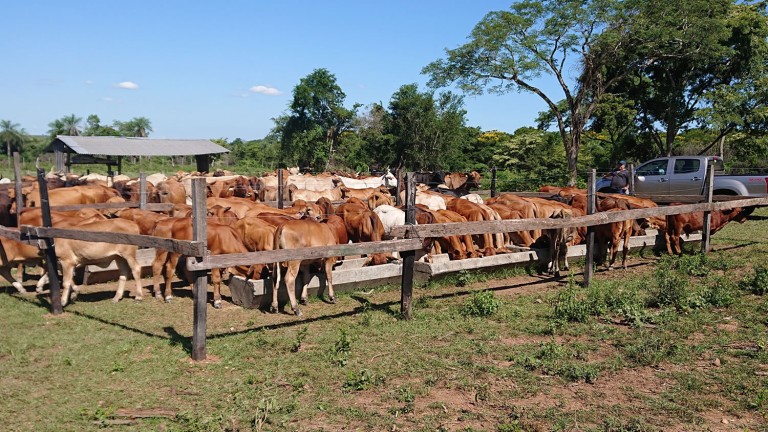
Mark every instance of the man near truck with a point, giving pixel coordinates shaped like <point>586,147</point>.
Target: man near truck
<point>619,179</point>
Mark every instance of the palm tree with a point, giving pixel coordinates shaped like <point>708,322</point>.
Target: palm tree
<point>141,126</point>
<point>67,125</point>
<point>12,136</point>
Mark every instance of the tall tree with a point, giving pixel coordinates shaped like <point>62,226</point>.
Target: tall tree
<point>136,127</point>
<point>705,66</point>
<point>12,135</point>
<point>93,127</point>
<point>67,125</point>
<point>426,130</point>
<point>510,50</point>
<point>316,119</point>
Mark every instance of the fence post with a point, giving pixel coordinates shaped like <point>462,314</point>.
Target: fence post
<point>398,199</point>
<point>142,191</point>
<point>589,259</point>
<point>493,182</point>
<point>200,292</point>
<point>279,188</point>
<point>50,253</point>
<point>17,186</point>
<point>409,257</point>
<point>708,190</point>
<point>631,179</point>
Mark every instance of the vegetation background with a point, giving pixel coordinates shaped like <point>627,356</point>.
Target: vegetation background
<point>622,79</point>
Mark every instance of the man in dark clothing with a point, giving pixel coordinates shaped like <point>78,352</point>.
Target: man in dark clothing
<point>619,179</point>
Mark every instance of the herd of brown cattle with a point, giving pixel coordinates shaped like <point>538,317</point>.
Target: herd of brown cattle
<point>326,209</point>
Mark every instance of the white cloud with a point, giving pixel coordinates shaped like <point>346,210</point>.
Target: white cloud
<point>127,85</point>
<point>88,82</point>
<point>107,99</point>
<point>269,91</point>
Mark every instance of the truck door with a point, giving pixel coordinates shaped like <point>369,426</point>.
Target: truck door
<point>652,178</point>
<point>687,177</point>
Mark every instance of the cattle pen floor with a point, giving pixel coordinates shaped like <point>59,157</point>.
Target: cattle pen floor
<point>355,365</point>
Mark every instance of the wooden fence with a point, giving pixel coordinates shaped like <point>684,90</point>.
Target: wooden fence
<point>200,260</point>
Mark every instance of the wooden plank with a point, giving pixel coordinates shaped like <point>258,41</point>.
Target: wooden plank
<point>708,188</point>
<point>200,291</point>
<point>409,257</point>
<point>184,247</point>
<point>143,191</point>
<point>17,185</point>
<point>483,227</point>
<point>280,255</point>
<point>10,233</point>
<point>589,268</point>
<point>51,261</point>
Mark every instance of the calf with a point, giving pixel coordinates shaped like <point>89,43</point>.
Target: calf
<point>558,242</point>
<point>614,233</point>
<point>690,222</point>
<point>302,233</point>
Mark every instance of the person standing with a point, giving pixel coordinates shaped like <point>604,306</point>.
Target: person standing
<point>619,179</point>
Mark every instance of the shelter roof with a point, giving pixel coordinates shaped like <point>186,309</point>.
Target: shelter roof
<point>133,146</point>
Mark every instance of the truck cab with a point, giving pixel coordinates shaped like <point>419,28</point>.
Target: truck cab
<point>678,175</point>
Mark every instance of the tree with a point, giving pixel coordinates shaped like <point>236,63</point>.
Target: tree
<point>67,125</point>
<point>93,127</point>
<point>426,130</point>
<point>509,50</point>
<point>12,136</point>
<point>136,127</point>
<point>704,67</point>
<point>316,119</point>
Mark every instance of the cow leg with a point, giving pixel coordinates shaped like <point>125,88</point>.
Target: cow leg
<point>67,275</point>
<point>614,251</point>
<point>290,285</point>
<point>216,282</point>
<point>564,253</point>
<point>170,269</point>
<point>305,282</point>
<point>124,270</point>
<point>329,277</point>
<point>275,287</point>
<point>157,271</point>
<point>6,273</point>
<point>40,286</point>
<point>625,250</point>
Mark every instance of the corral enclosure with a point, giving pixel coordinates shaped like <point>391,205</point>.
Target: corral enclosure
<point>549,357</point>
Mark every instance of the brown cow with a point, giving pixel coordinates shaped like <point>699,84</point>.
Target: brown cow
<point>612,234</point>
<point>690,222</point>
<point>145,219</point>
<point>74,253</point>
<point>363,225</point>
<point>558,239</point>
<point>474,213</point>
<point>297,234</point>
<point>222,239</point>
<point>14,253</point>
<point>171,191</point>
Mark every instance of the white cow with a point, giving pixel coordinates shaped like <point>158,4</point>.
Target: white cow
<point>370,182</point>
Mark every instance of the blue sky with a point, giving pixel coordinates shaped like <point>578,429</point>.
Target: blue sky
<point>225,69</point>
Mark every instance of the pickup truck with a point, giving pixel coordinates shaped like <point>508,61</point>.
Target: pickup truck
<point>685,175</point>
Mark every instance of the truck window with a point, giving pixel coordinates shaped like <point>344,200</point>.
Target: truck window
<point>687,166</point>
<point>653,168</point>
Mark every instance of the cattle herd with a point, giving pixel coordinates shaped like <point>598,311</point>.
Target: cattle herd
<point>326,209</point>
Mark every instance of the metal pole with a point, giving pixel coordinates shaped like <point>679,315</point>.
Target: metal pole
<point>709,185</point>
<point>409,257</point>
<point>200,292</point>
<point>589,260</point>
<point>50,253</point>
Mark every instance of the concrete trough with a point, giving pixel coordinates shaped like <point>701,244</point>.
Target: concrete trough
<point>350,275</point>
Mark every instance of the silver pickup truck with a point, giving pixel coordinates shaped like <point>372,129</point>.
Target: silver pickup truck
<point>684,175</point>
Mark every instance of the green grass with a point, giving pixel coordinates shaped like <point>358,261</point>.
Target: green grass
<point>634,352</point>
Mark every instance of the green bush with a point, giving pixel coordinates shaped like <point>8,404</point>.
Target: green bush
<point>570,306</point>
<point>719,292</point>
<point>481,304</point>
<point>756,283</point>
<point>671,289</point>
